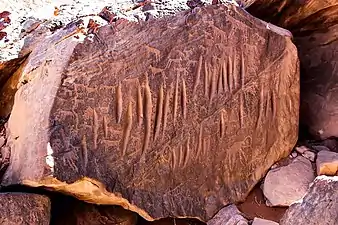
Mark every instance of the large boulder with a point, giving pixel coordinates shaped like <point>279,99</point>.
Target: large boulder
<point>287,184</point>
<point>319,205</point>
<point>174,117</point>
<point>24,208</point>
<point>314,25</point>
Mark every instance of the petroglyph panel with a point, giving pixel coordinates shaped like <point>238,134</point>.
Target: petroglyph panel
<point>180,116</point>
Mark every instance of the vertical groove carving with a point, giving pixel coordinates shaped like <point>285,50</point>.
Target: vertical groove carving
<point>166,108</point>
<point>220,79</point>
<point>176,99</point>
<point>147,116</point>
<point>222,124</point>
<point>105,126</point>
<point>200,142</point>
<point>242,74</point>
<point>187,153</point>
<point>184,100</point>
<point>95,128</point>
<point>241,109</point>
<point>118,103</point>
<point>234,71</point>
<point>229,74</point>
<point>139,105</point>
<point>206,80</point>
<point>213,85</point>
<point>225,76</point>
<point>127,128</point>
<point>84,152</point>
<point>198,74</point>
<point>158,116</point>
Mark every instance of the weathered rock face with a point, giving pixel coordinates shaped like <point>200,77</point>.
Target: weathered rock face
<point>319,206</point>
<point>287,184</point>
<point>315,27</point>
<point>21,209</point>
<point>173,117</point>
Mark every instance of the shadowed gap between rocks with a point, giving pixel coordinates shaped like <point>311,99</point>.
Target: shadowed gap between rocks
<point>67,210</point>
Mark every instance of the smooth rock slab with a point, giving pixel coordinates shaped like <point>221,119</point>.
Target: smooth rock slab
<point>24,209</point>
<point>174,117</point>
<point>327,163</point>
<point>319,205</point>
<point>287,184</point>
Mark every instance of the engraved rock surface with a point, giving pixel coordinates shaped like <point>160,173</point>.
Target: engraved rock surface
<point>23,208</point>
<point>287,184</point>
<point>174,117</point>
<point>319,205</point>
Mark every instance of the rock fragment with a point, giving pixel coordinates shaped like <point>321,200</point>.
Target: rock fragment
<point>229,215</point>
<point>302,149</point>
<point>284,185</point>
<point>310,155</point>
<point>259,221</point>
<point>23,209</point>
<point>327,163</point>
<point>319,205</point>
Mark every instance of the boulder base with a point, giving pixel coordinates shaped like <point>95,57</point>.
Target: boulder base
<point>174,117</point>
<point>21,209</point>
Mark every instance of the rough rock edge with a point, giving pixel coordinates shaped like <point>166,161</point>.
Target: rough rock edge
<point>83,190</point>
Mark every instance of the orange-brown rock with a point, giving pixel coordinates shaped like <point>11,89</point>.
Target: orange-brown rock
<point>24,208</point>
<point>174,117</point>
<point>314,25</point>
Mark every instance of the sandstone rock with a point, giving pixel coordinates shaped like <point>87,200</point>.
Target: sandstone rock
<point>229,215</point>
<point>319,148</point>
<point>259,221</point>
<point>292,155</point>
<point>73,212</point>
<point>22,209</point>
<point>285,185</point>
<point>314,25</point>
<point>327,163</point>
<point>301,149</point>
<point>319,205</point>
<point>158,117</point>
<point>309,155</point>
